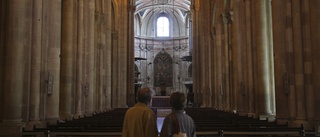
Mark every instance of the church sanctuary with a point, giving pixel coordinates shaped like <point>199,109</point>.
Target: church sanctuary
<point>246,67</point>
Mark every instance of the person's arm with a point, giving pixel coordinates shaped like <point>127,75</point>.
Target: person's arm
<point>151,129</point>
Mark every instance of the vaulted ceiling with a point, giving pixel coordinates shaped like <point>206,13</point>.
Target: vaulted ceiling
<point>147,12</point>
<point>178,7</point>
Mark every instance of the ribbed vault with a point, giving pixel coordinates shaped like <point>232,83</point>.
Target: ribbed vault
<point>147,11</point>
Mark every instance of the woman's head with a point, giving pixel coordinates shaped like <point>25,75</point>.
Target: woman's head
<point>177,100</point>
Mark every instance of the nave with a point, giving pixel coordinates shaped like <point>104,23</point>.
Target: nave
<point>209,123</point>
<point>65,58</point>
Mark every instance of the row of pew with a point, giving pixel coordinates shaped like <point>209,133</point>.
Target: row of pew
<point>107,123</point>
<point>223,123</point>
<point>209,123</point>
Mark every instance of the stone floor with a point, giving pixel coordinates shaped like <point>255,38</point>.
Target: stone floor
<point>161,113</point>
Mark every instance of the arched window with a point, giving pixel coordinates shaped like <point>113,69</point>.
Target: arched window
<point>163,27</point>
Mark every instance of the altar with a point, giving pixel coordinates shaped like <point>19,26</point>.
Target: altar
<point>160,102</point>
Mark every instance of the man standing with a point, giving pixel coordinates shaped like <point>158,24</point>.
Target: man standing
<point>140,120</point>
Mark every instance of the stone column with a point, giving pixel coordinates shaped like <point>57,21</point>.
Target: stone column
<point>280,60</point>
<point>52,41</point>
<point>315,49</point>
<point>2,50</point>
<point>14,43</point>
<point>203,54</point>
<point>218,57</point>
<point>114,56</point>
<point>298,63</point>
<point>210,45</point>
<point>79,61</point>
<point>103,73</point>
<point>90,56</point>
<point>114,67</point>
<point>108,56</point>
<point>290,61</point>
<point>306,30</point>
<point>238,48</point>
<point>195,4</point>
<point>271,57</point>
<point>130,94</point>
<point>226,69</point>
<point>36,61</point>
<point>201,61</point>
<point>98,55</point>
<point>66,76</point>
<point>123,54</point>
<point>249,59</point>
<point>262,64</point>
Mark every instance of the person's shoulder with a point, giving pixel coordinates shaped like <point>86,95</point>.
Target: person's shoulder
<point>133,108</point>
<point>189,117</point>
<point>149,110</point>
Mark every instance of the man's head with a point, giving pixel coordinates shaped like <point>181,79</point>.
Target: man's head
<point>177,100</point>
<point>144,95</point>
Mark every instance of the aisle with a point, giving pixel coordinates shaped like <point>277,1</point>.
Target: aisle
<point>160,123</point>
<point>161,113</point>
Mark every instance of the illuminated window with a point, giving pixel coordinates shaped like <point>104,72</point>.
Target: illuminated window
<point>163,27</point>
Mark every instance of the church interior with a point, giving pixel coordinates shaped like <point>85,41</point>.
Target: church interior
<point>62,60</point>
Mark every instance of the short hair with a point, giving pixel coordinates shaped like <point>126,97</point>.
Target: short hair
<point>177,100</point>
<point>144,95</point>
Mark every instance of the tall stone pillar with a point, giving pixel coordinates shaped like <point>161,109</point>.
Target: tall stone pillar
<point>226,67</point>
<point>123,54</point>
<point>114,67</point>
<point>79,61</point>
<point>210,49</point>
<point>130,86</point>
<point>108,56</point>
<point>279,18</point>
<point>66,76</point>
<point>238,61</point>
<point>290,60</point>
<point>35,62</point>
<point>195,5</point>
<point>202,62</point>
<point>315,49</point>
<point>203,54</point>
<point>2,50</point>
<point>306,30</point>
<point>262,64</point>
<point>271,57</point>
<point>103,73</point>
<point>249,59</point>
<point>90,58</point>
<point>218,57</point>
<point>52,41</point>
<point>14,43</point>
<point>98,53</point>
<point>298,62</point>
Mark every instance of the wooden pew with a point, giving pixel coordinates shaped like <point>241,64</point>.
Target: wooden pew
<point>211,120</point>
